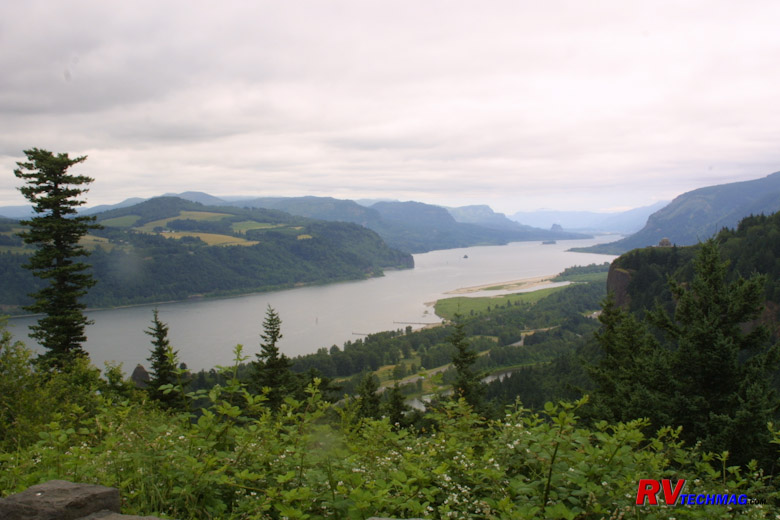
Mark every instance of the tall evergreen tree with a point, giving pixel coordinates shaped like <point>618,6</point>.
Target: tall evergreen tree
<point>272,368</point>
<point>56,231</point>
<point>721,360</point>
<point>395,408</point>
<point>163,361</point>
<point>369,403</point>
<point>468,384</point>
<point>633,371</point>
<point>710,370</point>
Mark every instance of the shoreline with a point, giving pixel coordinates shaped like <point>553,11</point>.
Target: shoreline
<point>511,285</point>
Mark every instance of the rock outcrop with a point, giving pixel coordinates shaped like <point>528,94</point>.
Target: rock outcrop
<point>63,500</point>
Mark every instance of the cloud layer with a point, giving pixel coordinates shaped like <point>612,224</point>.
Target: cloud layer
<point>587,105</point>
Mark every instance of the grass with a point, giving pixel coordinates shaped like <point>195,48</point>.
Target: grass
<point>583,278</point>
<point>447,308</point>
<point>246,225</point>
<point>213,239</point>
<point>91,242</point>
<point>121,222</point>
<point>184,215</point>
<point>203,215</point>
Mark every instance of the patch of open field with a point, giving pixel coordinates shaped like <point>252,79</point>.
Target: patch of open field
<point>126,221</point>
<point>184,215</point>
<point>213,239</point>
<point>91,242</point>
<point>448,307</point>
<point>246,225</point>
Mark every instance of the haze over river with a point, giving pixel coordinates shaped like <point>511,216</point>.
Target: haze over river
<point>205,331</point>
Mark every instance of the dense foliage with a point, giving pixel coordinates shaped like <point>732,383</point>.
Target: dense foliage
<point>238,460</point>
<point>753,247</point>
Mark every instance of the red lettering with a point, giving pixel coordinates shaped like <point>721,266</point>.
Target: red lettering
<point>669,497</point>
<point>648,488</point>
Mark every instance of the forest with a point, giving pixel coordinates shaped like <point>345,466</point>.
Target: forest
<point>147,253</point>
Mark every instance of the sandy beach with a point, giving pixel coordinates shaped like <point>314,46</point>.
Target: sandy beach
<point>512,285</point>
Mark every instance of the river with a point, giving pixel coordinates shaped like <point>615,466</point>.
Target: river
<point>205,331</point>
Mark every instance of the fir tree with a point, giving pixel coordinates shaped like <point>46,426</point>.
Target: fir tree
<point>721,360</point>
<point>395,408</point>
<point>369,400</point>
<point>272,368</point>
<point>56,231</point>
<point>710,370</point>
<point>163,361</point>
<point>468,384</point>
<point>633,370</point>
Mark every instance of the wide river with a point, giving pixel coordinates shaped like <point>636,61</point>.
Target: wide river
<point>205,331</point>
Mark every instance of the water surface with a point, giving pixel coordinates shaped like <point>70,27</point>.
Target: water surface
<point>205,331</point>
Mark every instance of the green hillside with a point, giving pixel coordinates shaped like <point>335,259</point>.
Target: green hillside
<point>753,247</point>
<point>697,215</point>
<point>413,227</point>
<point>168,249</point>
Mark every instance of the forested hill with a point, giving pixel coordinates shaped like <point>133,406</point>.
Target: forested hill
<point>639,277</point>
<point>697,215</point>
<point>414,227</point>
<point>169,249</point>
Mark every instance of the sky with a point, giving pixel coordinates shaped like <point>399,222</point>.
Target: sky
<point>521,105</point>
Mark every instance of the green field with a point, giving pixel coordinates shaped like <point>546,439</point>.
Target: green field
<point>122,222</point>
<point>213,239</point>
<point>246,225</point>
<point>583,278</point>
<point>91,242</point>
<point>183,215</point>
<point>447,308</point>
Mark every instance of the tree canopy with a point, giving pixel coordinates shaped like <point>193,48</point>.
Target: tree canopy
<point>56,231</point>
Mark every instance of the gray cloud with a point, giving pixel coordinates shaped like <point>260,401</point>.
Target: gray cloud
<point>514,104</point>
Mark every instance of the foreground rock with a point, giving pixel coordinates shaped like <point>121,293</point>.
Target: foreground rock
<point>62,500</point>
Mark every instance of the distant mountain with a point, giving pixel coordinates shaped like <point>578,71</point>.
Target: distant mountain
<point>108,207</point>
<point>16,212</point>
<point>418,227</point>
<point>697,215</point>
<point>197,196</point>
<point>623,222</point>
<point>413,227</point>
<point>322,208</point>
<point>484,216</point>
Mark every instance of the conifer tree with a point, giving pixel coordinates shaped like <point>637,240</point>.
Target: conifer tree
<point>633,370</point>
<point>721,360</point>
<point>163,361</point>
<point>272,368</point>
<point>468,384</point>
<point>56,231</point>
<point>395,408</point>
<point>710,370</point>
<point>369,399</point>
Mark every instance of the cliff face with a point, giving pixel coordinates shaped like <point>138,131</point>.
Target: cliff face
<point>617,283</point>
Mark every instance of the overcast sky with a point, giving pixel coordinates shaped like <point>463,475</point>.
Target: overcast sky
<point>598,105</point>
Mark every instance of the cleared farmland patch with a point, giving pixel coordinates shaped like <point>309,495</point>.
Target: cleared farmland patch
<point>122,222</point>
<point>213,239</point>
<point>190,215</point>
<point>246,225</point>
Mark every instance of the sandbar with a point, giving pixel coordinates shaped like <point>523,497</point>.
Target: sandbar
<point>512,285</point>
